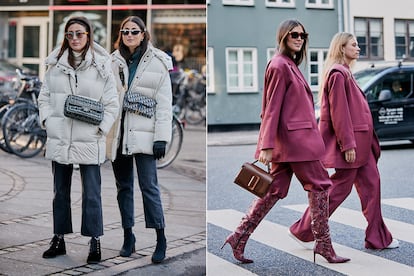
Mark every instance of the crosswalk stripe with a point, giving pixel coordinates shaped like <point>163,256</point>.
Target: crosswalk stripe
<point>275,235</point>
<point>399,230</point>
<point>219,266</point>
<point>403,202</point>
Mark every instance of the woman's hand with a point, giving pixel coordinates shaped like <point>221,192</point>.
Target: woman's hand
<point>265,156</point>
<point>350,156</point>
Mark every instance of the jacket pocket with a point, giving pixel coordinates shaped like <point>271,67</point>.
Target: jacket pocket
<point>363,127</point>
<point>299,125</point>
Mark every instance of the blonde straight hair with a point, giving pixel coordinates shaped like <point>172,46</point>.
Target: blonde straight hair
<point>335,56</point>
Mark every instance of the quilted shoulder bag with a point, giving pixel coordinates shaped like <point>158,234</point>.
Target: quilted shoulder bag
<point>139,104</point>
<point>254,179</point>
<point>84,109</point>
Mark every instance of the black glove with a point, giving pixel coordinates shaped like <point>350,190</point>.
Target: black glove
<point>159,149</point>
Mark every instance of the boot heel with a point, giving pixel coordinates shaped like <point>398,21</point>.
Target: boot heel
<point>314,254</point>
<point>225,242</point>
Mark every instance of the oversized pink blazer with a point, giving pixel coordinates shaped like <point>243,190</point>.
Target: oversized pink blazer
<point>288,124</point>
<point>346,120</point>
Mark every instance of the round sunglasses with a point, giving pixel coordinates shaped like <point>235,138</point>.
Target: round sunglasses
<point>73,35</point>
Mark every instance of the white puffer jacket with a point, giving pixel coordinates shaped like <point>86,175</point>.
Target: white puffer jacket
<point>151,79</point>
<point>71,141</point>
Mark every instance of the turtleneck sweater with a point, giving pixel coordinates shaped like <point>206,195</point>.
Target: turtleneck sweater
<point>78,58</point>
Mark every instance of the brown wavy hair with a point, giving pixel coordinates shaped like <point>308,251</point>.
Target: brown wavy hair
<point>81,20</point>
<point>119,44</point>
<point>284,28</point>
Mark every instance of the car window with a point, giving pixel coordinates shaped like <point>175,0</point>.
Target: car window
<point>392,86</point>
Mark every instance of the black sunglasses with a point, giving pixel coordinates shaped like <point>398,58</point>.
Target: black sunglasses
<point>295,35</point>
<point>133,32</point>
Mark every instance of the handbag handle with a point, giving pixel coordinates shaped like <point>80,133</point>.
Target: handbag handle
<point>268,165</point>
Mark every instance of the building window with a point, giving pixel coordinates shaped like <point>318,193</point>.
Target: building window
<point>280,3</point>
<point>404,39</point>
<point>270,52</point>
<point>241,69</point>
<point>239,2</point>
<point>369,34</point>
<point>315,67</point>
<point>320,4</point>
<point>210,70</point>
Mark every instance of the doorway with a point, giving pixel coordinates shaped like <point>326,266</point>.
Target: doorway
<point>28,42</point>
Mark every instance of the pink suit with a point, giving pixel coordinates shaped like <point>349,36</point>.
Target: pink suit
<point>346,123</point>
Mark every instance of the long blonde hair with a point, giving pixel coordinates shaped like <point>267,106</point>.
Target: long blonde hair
<point>335,56</point>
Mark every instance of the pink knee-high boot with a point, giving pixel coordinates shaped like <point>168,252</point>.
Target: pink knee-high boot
<point>318,204</point>
<point>248,224</point>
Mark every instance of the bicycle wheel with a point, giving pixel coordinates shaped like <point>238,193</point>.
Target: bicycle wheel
<point>3,145</point>
<point>174,146</point>
<point>22,132</point>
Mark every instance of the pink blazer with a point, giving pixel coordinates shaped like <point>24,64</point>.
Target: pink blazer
<point>288,124</point>
<point>346,120</point>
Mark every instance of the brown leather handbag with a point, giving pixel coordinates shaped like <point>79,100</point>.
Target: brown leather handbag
<point>254,179</point>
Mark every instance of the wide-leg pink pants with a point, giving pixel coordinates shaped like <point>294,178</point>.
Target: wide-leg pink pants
<point>367,184</point>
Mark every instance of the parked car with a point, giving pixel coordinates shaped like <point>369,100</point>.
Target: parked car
<point>8,78</point>
<point>390,94</point>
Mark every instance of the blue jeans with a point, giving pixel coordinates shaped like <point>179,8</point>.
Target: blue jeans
<point>92,223</point>
<point>123,168</point>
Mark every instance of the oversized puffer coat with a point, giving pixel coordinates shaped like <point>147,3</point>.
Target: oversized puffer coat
<point>71,141</point>
<point>151,79</point>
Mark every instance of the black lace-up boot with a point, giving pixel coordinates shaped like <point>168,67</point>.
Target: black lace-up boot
<point>94,251</point>
<point>57,247</point>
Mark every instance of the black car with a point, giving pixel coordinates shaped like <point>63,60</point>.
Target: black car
<point>390,95</point>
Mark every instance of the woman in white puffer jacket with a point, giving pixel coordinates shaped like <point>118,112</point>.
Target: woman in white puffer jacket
<point>140,68</point>
<point>79,67</point>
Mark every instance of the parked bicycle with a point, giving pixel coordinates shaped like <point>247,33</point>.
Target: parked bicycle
<point>189,95</point>
<point>21,129</point>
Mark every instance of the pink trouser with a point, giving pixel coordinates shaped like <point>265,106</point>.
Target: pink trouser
<point>311,174</point>
<point>367,184</point>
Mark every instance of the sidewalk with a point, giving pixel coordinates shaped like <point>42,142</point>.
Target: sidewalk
<point>26,224</point>
<point>227,138</point>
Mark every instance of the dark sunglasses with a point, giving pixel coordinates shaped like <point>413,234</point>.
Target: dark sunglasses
<point>133,32</point>
<point>295,35</point>
<point>73,35</point>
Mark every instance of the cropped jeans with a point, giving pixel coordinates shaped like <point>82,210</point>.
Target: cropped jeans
<point>123,167</point>
<point>92,222</point>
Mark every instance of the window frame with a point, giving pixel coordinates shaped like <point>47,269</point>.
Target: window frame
<point>321,56</point>
<point>241,87</point>
<point>368,21</point>
<point>407,37</point>
<point>280,4</point>
<point>210,71</point>
<point>238,2</point>
<point>320,5</point>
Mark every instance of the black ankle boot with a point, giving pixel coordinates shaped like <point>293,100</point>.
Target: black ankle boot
<point>94,251</point>
<point>159,253</point>
<point>129,245</point>
<point>57,248</point>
